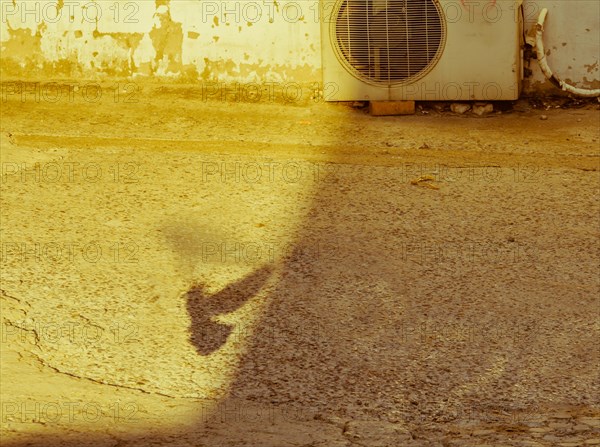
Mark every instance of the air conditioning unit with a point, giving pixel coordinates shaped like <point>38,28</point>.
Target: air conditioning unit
<point>441,50</point>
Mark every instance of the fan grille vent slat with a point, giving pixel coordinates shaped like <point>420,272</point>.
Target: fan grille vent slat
<point>389,41</point>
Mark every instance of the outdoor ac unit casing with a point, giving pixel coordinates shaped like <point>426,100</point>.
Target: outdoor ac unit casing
<point>478,57</point>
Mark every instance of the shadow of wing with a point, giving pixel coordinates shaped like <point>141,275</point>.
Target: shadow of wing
<point>206,335</point>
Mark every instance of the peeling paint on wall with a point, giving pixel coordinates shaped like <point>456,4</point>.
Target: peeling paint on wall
<point>167,39</point>
<point>23,49</point>
<point>592,68</point>
<point>129,42</point>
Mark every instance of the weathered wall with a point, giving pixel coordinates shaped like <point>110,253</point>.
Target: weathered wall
<point>230,41</point>
<point>234,40</point>
<point>571,39</point>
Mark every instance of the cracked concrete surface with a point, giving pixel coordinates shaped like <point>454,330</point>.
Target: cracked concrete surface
<point>159,292</point>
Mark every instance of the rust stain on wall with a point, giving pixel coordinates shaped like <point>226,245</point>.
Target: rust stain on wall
<point>547,88</point>
<point>591,67</point>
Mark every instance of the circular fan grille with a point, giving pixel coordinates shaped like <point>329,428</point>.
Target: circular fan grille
<point>388,41</point>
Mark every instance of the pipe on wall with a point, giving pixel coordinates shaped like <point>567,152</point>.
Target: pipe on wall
<point>541,58</point>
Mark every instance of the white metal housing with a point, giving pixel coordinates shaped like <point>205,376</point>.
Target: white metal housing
<point>462,50</point>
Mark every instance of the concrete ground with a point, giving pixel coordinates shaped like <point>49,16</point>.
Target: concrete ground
<point>190,273</point>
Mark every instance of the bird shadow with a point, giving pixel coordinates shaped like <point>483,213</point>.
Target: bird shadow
<point>207,335</point>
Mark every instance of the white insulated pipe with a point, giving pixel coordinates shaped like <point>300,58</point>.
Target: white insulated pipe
<point>541,58</point>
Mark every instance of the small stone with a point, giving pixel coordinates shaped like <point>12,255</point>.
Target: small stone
<point>544,117</point>
<point>595,441</point>
<point>482,109</point>
<point>459,108</point>
<point>581,427</point>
